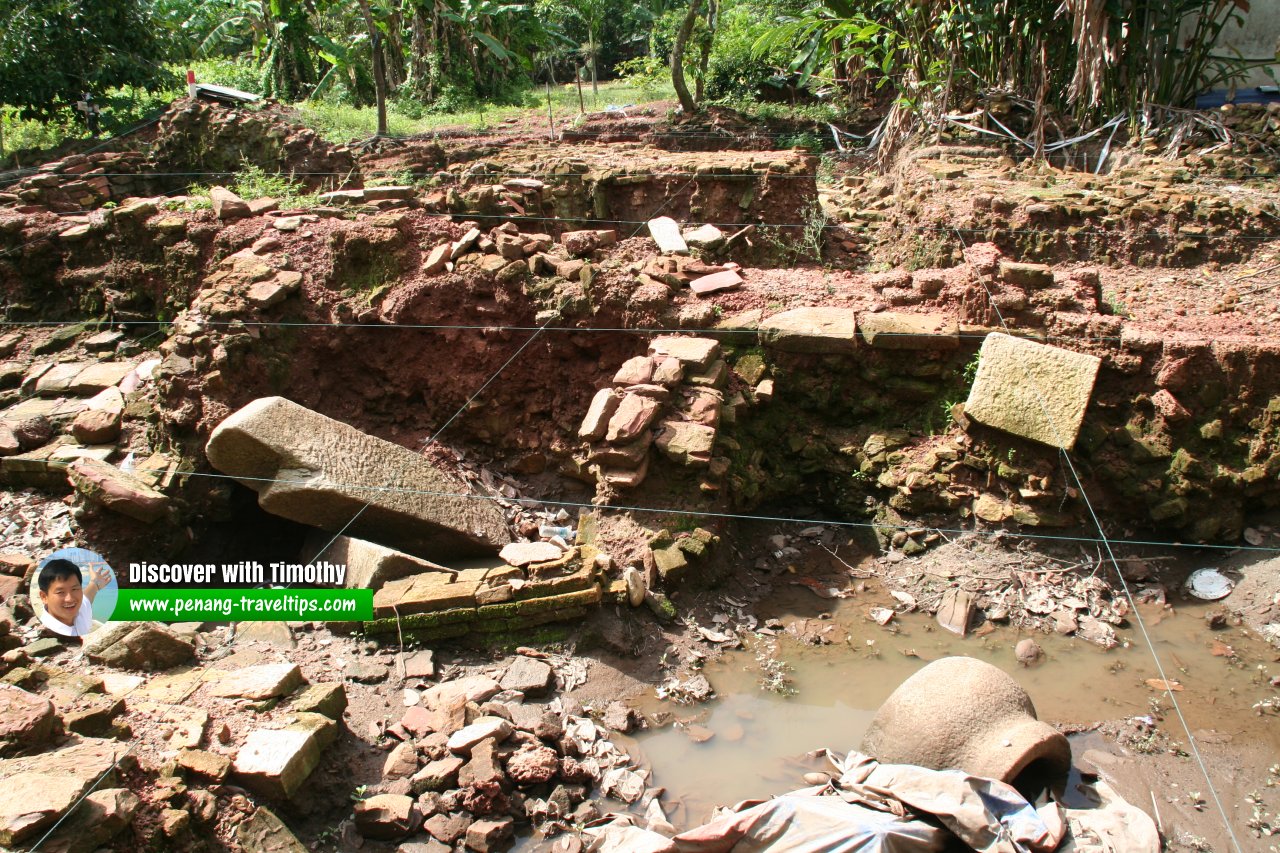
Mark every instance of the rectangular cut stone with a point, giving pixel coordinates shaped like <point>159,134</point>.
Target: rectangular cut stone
<point>432,591</point>
<point>686,442</point>
<point>811,330</point>
<point>727,280</point>
<point>342,197</point>
<point>386,192</point>
<point>369,565</point>
<point>37,790</point>
<point>666,233</point>
<point>96,377</point>
<point>697,353</point>
<point>29,408</point>
<point>258,682</point>
<point>635,414</point>
<point>1026,275</point>
<point>319,471</point>
<point>1032,390</point>
<point>891,330</point>
<point>57,379</point>
<point>275,762</point>
<point>603,405</point>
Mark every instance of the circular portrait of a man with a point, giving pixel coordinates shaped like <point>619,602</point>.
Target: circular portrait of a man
<point>73,592</point>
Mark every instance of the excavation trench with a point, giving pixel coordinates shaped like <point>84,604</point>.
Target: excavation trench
<point>825,394</point>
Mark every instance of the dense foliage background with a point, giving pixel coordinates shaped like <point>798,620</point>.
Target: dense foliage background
<point>1082,61</point>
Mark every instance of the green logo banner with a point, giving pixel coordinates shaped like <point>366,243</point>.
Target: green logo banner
<point>244,605</point>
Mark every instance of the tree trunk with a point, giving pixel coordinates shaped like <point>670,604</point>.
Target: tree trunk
<point>591,43</point>
<point>677,59</point>
<point>379,73</point>
<point>704,58</point>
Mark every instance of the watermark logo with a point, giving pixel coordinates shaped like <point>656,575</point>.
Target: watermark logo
<point>74,591</point>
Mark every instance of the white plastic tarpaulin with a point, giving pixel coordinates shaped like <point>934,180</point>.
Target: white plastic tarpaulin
<point>870,807</point>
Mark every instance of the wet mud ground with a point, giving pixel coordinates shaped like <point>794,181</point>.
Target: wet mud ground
<point>756,740</point>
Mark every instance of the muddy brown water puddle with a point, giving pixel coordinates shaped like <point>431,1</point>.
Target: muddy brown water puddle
<point>758,738</point>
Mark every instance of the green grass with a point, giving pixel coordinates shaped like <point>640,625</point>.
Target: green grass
<point>342,123</point>
<point>253,182</point>
<point>121,109</point>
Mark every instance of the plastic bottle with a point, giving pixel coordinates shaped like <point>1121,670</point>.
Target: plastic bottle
<point>550,531</point>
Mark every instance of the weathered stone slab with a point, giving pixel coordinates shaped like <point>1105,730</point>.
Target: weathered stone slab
<point>137,645</point>
<point>686,442</point>
<point>635,371</point>
<point>275,762</point>
<point>36,790</point>
<point>665,231</point>
<point>318,471</point>
<point>596,421</point>
<point>337,197</point>
<point>1026,275</point>
<point>1032,390</point>
<point>204,763</point>
<point>528,675</point>
<point>432,591</point>
<point>811,330</point>
<point>100,376</point>
<point>727,280</point>
<point>524,553</point>
<point>891,330</point>
<point>389,192</point>
<point>695,353</point>
<point>424,593</point>
<point>26,720</point>
<point>117,490</point>
<point>634,415</point>
<point>705,237</point>
<point>369,565</point>
<point>329,700</point>
<point>101,816</point>
<point>226,204</point>
<point>387,817</point>
<point>58,378</point>
<point>259,682</point>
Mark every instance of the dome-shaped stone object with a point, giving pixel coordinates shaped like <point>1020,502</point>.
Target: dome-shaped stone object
<point>961,713</point>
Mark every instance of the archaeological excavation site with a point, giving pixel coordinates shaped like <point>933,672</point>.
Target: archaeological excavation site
<point>709,491</point>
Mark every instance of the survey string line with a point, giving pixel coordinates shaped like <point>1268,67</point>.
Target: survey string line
<point>659,510</point>
<point>638,331</point>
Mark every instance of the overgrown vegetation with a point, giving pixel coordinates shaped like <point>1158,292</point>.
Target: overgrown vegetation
<point>1064,61</point>
<point>1062,64</point>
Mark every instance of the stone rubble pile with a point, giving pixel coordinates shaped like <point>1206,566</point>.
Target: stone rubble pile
<point>670,399</point>
<point>474,757</point>
<point>76,398</point>
<point>210,141</point>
